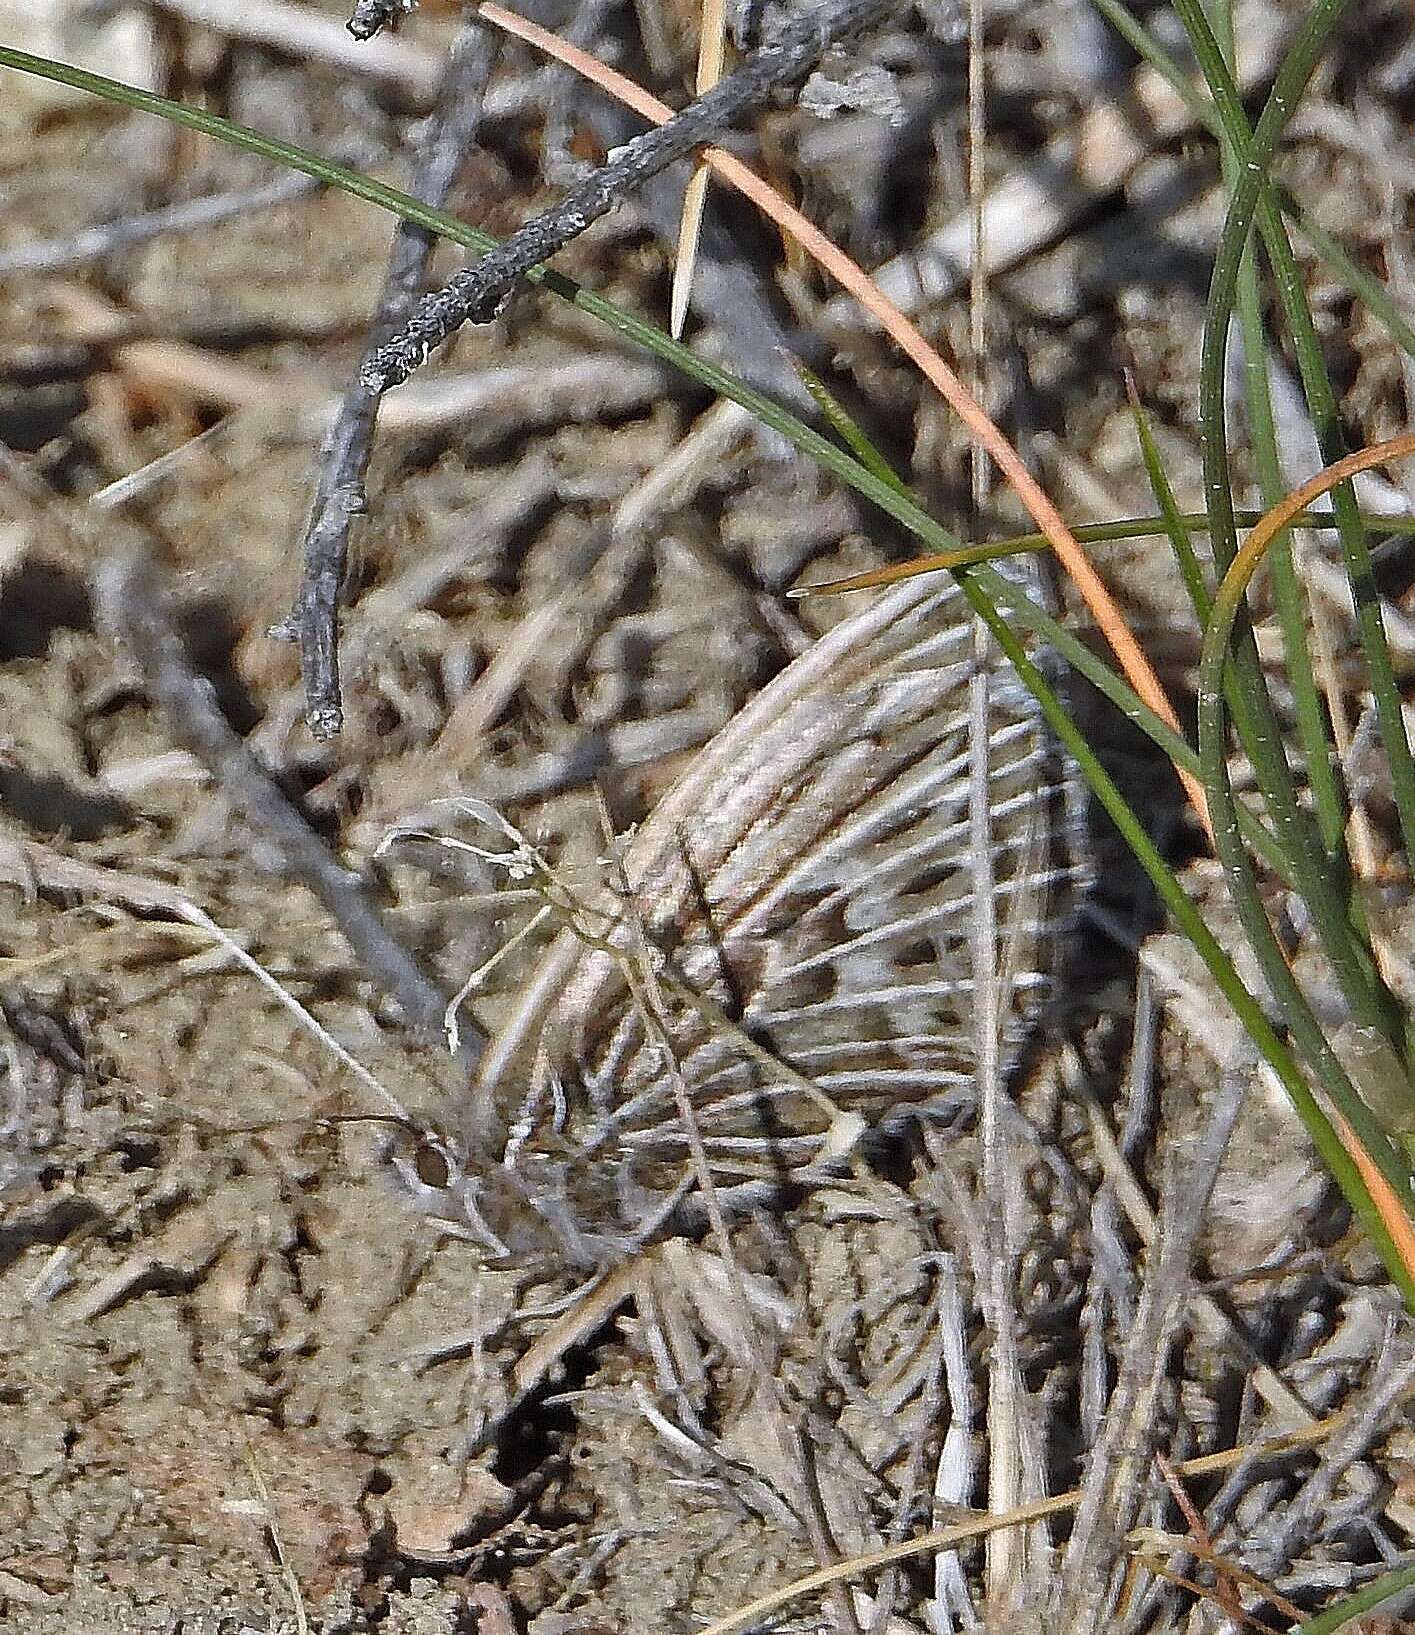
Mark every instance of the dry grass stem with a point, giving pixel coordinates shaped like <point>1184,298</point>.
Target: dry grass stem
<point>1039,200</point>
<point>712,43</point>
<point>951,1538</point>
<point>272,1523</point>
<point>1069,553</point>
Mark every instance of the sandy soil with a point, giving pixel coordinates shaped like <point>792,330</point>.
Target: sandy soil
<point>258,1366</point>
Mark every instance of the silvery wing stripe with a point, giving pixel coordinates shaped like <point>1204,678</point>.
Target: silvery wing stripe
<point>810,873</point>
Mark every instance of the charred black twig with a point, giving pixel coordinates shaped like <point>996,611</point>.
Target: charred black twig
<point>479,292</point>
<point>312,36</point>
<point>133,606</point>
<point>371,15</point>
<point>339,495</point>
<point>339,491</point>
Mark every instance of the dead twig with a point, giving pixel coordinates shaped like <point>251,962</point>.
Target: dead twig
<point>89,243</point>
<point>132,605</point>
<point>369,16</point>
<point>339,489</point>
<point>339,496</point>
<point>479,292</point>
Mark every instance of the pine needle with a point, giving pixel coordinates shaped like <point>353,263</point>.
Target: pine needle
<point>712,43</point>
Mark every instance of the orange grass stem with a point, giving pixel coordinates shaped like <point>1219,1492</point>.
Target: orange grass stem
<point>1136,667</point>
<point>1273,521</point>
<point>1230,592</point>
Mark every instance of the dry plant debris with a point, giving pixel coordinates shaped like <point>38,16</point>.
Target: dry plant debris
<point>242,1300</point>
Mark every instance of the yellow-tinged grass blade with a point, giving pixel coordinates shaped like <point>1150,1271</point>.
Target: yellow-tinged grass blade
<point>712,49</point>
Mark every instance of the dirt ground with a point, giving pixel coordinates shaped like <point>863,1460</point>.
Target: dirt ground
<point>341,1330</point>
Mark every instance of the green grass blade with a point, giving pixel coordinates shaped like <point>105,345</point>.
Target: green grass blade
<point>1320,879</point>
<point>1178,527</point>
<point>1176,524</point>
<point>1225,115</point>
<point>1251,199</point>
<point>1243,886</point>
<point>1253,714</point>
<point>1366,1599</point>
<point>1193,522</point>
<point>1371,292</point>
<point>1192,924</point>
<point>1313,730</point>
<point>848,429</point>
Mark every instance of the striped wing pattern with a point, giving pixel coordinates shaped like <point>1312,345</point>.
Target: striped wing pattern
<point>810,874</point>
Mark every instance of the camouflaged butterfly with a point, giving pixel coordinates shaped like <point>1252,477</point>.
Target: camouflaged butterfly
<point>798,951</point>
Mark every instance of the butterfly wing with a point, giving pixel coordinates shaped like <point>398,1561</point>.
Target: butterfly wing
<point>807,887</point>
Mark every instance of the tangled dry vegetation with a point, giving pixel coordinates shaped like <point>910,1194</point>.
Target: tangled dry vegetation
<point>275,1354</point>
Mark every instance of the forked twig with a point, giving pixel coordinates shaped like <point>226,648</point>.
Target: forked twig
<point>480,291</point>
<point>133,607</point>
<point>853,278</point>
<point>1231,1573</point>
<point>1236,1615</point>
<point>339,488</point>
